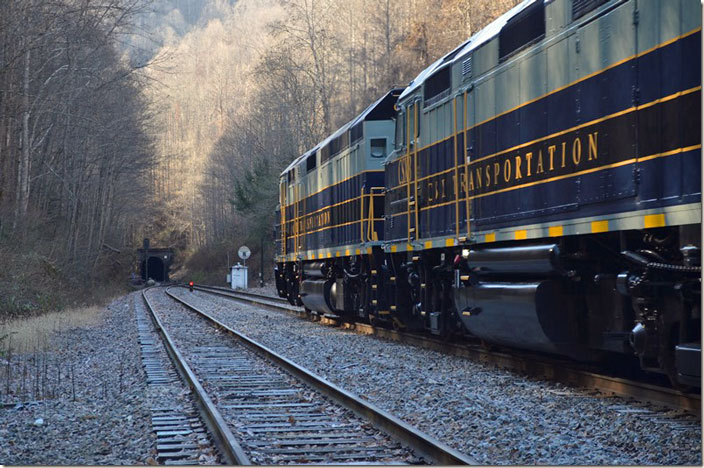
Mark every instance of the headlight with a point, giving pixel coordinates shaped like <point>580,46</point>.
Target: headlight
<point>465,253</point>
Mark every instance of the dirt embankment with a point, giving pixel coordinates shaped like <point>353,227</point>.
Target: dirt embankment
<point>32,284</point>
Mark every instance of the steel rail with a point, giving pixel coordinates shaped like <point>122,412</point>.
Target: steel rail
<point>529,364</point>
<point>218,289</point>
<point>224,440</point>
<point>275,303</point>
<point>432,449</point>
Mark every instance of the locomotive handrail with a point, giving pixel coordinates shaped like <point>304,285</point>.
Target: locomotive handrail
<point>361,215</point>
<point>466,165</point>
<point>371,232</point>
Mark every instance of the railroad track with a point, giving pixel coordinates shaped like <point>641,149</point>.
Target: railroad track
<point>262,408</point>
<point>535,365</point>
<point>254,298</point>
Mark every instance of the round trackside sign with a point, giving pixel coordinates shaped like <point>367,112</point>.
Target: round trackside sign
<point>244,252</point>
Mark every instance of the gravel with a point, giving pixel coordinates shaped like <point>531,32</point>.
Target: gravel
<point>493,415</point>
<point>90,405</point>
<point>207,349</point>
<point>98,412</point>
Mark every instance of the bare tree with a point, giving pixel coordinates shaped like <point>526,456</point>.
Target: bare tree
<point>74,144</point>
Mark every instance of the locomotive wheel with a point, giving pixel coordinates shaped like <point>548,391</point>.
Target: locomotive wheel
<point>312,315</point>
<point>397,324</point>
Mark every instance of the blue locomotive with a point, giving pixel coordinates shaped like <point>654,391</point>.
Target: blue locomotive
<point>538,187</point>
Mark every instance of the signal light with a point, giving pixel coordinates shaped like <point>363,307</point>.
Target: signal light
<point>190,286</point>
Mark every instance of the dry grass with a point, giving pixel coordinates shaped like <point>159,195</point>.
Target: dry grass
<point>32,334</point>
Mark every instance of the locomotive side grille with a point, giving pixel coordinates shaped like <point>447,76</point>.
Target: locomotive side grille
<point>437,86</point>
<point>467,68</point>
<point>524,29</point>
<point>582,7</point>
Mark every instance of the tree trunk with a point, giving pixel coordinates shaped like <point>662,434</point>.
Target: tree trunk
<point>24,161</point>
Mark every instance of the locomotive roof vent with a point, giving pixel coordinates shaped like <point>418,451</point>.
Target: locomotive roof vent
<point>522,30</point>
<point>437,86</point>
<point>582,7</point>
<point>310,162</point>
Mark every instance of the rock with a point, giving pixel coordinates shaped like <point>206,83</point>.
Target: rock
<point>38,421</point>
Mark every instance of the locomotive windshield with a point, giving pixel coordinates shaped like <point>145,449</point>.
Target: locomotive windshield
<point>378,147</point>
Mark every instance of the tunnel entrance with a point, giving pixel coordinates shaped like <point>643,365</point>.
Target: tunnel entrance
<point>154,263</point>
<point>155,268</point>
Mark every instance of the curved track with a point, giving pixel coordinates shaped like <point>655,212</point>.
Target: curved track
<point>267,399</point>
<point>539,366</point>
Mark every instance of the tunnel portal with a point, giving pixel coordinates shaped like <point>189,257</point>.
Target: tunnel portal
<point>155,268</point>
<point>154,263</point>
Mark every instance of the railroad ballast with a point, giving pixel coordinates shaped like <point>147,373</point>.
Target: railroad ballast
<point>537,187</point>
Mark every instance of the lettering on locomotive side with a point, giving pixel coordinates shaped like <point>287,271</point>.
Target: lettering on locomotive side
<point>514,168</point>
<point>435,191</point>
<point>534,163</point>
<point>402,173</point>
<point>404,167</point>
<point>317,220</point>
<point>310,223</point>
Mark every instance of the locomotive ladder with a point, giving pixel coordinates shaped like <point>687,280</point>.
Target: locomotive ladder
<point>282,202</point>
<point>411,165</point>
<point>457,173</point>
<point>406,163</point>
<point>465,143</point>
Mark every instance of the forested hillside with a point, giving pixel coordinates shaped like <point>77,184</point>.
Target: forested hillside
<point>248,92</point>
<point>172,119</point>
<point>76,146</point>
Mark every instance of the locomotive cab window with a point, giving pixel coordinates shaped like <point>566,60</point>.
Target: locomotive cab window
<point>416,114</point>
<point>400,130</point>
<point>378,147</point>
<point>413,123</point>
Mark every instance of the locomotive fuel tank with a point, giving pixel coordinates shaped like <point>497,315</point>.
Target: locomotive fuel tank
<point>315,294</point>
<point>314,270</point>
<point>319,293</point>
<point>538,316</point>
<point>532,259</point>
